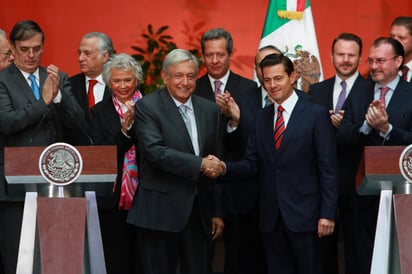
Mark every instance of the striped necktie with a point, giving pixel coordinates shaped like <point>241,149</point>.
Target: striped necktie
<point>279,127</point>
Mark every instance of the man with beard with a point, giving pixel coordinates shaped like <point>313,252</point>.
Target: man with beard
<point>332,93</point>
<point>379,115</point>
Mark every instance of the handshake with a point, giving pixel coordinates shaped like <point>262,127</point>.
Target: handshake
<point>212,167</point>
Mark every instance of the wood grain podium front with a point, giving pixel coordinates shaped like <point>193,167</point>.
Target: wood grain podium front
<point>60,235</point>
<point>379,174</point>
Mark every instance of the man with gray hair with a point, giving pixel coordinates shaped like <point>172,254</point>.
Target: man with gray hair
<point>88,86</point>
<point>176,208</point>
<point>6,58</point>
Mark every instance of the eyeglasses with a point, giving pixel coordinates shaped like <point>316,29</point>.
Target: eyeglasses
<point>379,61</point>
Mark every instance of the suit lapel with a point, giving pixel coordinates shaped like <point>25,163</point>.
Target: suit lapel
<point>398,98</point>
<point>295,117</point>
<point>200,122</point>
<point>172,113</point>
<point>268,128</point>
<point>22,83</point>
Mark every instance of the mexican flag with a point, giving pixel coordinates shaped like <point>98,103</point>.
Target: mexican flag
<point>289,26</point>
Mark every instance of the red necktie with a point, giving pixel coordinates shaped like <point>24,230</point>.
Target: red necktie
<point>90,93</point>
<point>279,127</point>
<point>404,71</point>
<point>384,90</point>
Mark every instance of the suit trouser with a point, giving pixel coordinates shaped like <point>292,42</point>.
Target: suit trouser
<point>345,226</point>
<point>119,242</point>
<point>289,252</point>
<point>244,253</point>
<point>11,215</point>
<point>366,215</point>
<point>192,248</point>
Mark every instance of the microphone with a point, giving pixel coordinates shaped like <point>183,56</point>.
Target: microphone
<point>401,117</point>
<point>37,128</point>
<point>78,124</point>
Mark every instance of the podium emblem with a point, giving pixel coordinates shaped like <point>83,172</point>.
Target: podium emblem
<point>60,164</point>
<point>405,163</point>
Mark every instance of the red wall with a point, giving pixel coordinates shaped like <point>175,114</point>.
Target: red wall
<point>64,23</point>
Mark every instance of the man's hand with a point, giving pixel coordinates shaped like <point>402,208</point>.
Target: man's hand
<point>325,227</point>
<point>336,118</point>
<point>377,117</point>
<point>217,227</point>
<point>51,85</point>
<point>212,167</point>
<point>234,112</point>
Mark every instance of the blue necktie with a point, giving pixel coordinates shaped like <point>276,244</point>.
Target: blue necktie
<point>34,87</point>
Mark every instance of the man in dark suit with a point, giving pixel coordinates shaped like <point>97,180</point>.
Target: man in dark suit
<point>94,51</point>
<point>35,104</point>
<point>379,115</point>
<point>296,169</point>
<point>332,93</point>
<point>177,209</point>
<point>243,254</point>
<point>401,30</point>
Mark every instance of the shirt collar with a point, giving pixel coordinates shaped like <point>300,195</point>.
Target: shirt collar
<point>35,73</point>
<point>223,79</point>
<point>349,82</point>
<point>392,85</point>
<point>188,103</point>
<point>289,103</point>
<point>99,79</point>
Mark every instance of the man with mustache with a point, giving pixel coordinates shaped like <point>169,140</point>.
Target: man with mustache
<point>379,115</point>
<point>346,56</point>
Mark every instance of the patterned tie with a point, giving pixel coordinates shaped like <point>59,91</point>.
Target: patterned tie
<point>404,71</point>
<point>34,86</point>
<point>90,93</point>
<point>384,90</point>
<point>267,101</point>
<point>279,127</point>
<point>341,98</point>
<point>218,85</point>
<point>186,119</point>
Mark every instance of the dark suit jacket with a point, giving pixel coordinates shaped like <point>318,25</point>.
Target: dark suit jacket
<point>170,173</point>
<point>322,93</point>
<point>106,130</point>
<point>298,181</point>
<point>81,135</point>
<point>25,121</point>
<point>240,198</point>
<point>399,111</point>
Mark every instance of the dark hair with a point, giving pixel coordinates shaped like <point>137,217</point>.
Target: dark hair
<point>348,37</point>
<point>24,30</point>
<point>269,47</point>
<point>218,33</point>
<point>396,46</point>
<point>405,21</point>
<point>276,59</point>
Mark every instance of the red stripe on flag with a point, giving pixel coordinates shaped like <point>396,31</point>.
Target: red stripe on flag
<point>300,5</point>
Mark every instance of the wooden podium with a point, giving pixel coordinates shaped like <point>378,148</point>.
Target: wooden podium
<point>60,235</point>
<point>379,174</point>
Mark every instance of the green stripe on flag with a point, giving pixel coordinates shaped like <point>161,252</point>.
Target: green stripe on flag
<point>272,21</point>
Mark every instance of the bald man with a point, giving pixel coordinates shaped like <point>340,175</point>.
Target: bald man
<point>6,58</point>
